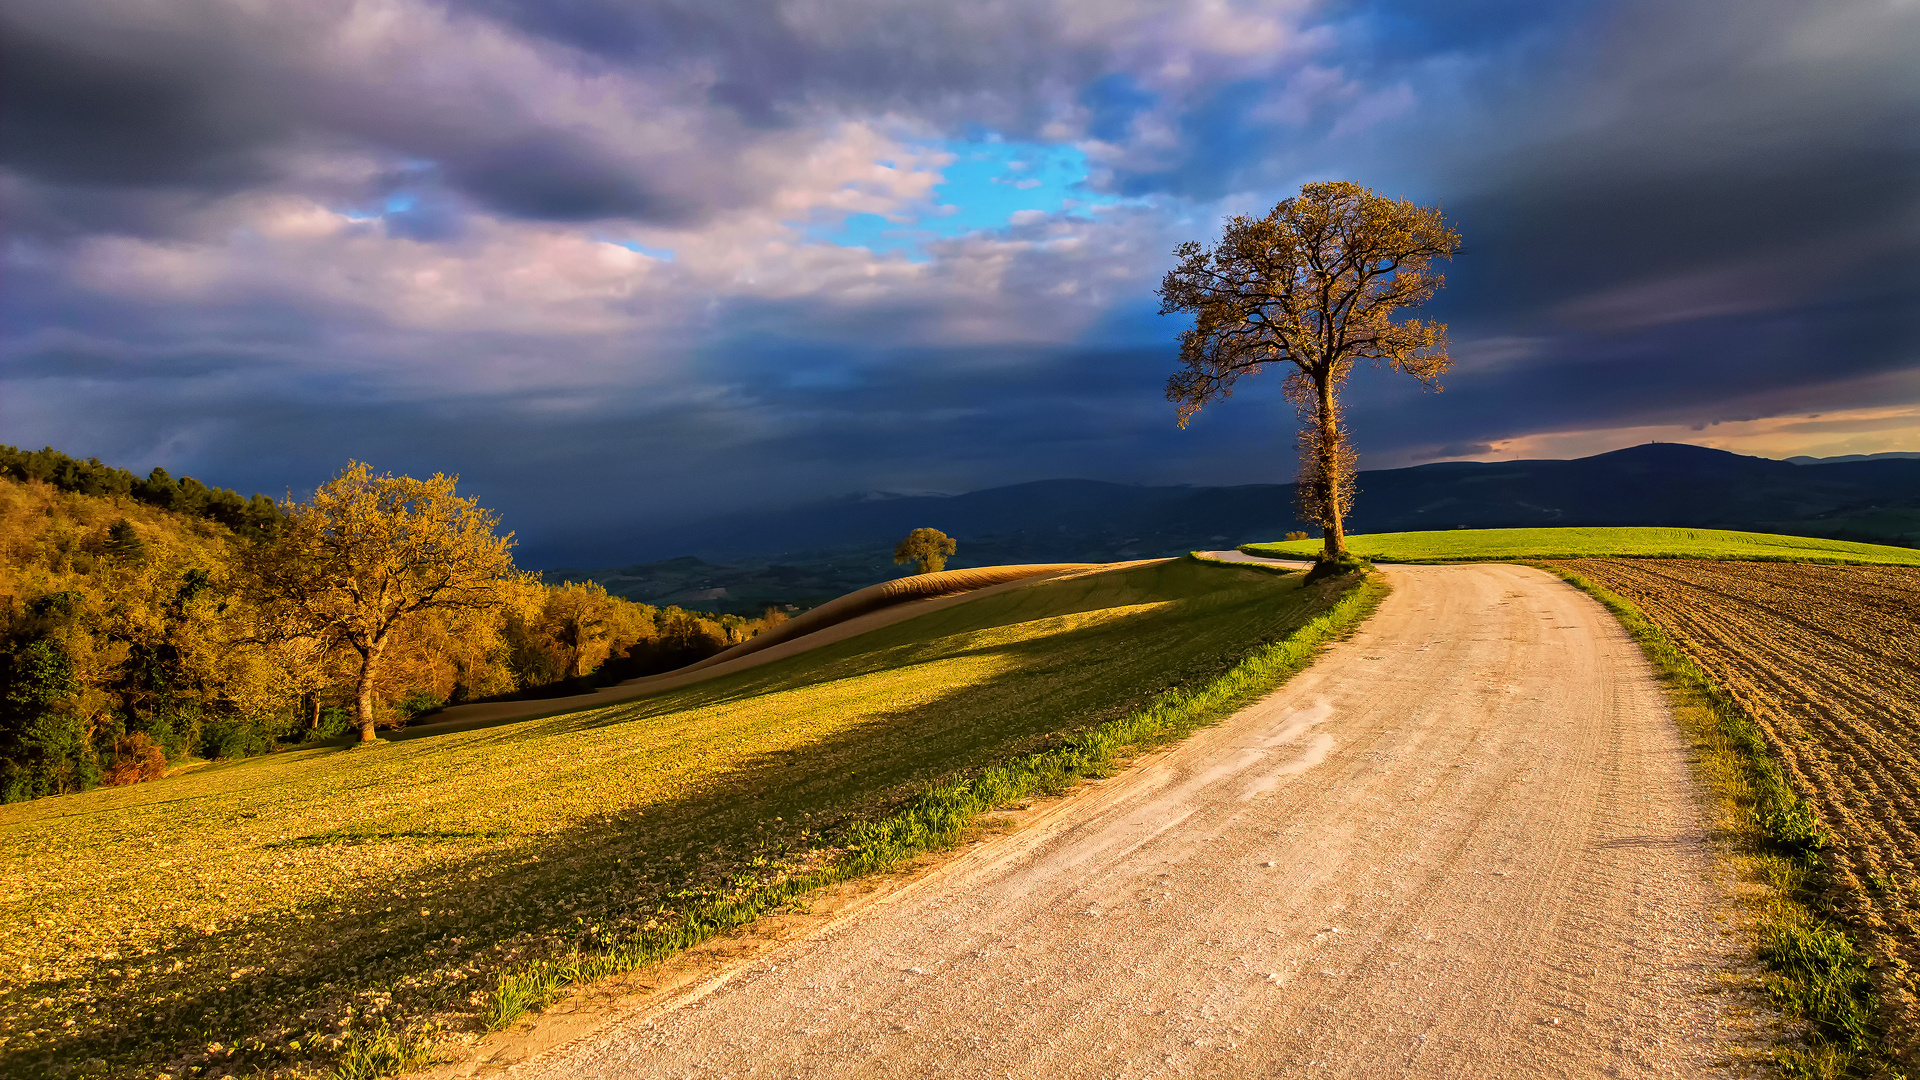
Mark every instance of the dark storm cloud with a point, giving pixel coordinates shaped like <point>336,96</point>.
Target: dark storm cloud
<point>558,176</point>
<point>212,98</point>
<point>932,423</point>
<point>81,103</point>
<point>1706,204</point>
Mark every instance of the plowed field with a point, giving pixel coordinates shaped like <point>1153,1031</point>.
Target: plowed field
<point>1827,660</point>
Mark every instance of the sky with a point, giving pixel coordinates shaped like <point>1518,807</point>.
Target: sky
<point>622,264</point>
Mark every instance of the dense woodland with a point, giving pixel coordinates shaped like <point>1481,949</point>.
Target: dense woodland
<point>130,640</point>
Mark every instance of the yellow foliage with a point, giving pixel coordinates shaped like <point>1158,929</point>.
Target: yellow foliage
<point>369,554</point>
<point>210,643</point>
<point>55,542</point>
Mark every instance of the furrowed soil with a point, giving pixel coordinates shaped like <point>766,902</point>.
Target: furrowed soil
<point>1827,660</point>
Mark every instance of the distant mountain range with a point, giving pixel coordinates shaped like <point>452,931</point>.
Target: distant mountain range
<point>1896,456</point>
<point>810,553</point>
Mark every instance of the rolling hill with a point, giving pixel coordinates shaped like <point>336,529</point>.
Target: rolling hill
<point>813,552</point>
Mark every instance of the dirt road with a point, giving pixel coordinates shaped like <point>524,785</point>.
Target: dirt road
<point>1826,659</point>
<point>1464,843</point>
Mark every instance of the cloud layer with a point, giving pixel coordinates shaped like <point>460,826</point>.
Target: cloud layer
<point>622,263</point>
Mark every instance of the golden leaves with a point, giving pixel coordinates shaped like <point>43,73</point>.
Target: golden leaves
<point>1315,283</point>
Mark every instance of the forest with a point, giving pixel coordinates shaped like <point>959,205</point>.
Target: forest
<point>135,637</point>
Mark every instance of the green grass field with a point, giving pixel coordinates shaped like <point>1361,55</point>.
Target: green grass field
<point>1481,545</point>
<point>266,915</point>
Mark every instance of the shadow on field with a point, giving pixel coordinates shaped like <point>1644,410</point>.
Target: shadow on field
<point>431,940</point>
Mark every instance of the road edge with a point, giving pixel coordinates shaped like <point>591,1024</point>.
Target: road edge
<point>1817,972</point>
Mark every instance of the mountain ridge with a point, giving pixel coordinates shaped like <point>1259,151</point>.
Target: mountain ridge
<point>803,554</point>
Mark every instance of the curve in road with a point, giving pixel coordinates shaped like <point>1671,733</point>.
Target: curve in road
<point>1464,843</point>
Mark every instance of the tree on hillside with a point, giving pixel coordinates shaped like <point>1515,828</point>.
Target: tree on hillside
<point>577,617</point>
<point>1314,284</point>
<point>43,739</point>
<point>124,543</point>
<point>368,552</point>
<point>927,549</point>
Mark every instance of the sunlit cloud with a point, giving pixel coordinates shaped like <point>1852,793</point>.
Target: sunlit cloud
<point>1894,429</point>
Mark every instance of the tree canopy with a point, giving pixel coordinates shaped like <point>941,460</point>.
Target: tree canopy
<point>927,549</point>
<point>370,551</point>
<point>253,518</point>
<point>1315,284</point>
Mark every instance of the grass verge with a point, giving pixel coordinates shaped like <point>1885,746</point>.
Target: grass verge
<point>937,817</point>
<point>1511,545</point>
<point>1816,973</point>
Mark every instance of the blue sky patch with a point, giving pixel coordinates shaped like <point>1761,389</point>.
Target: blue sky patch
<point>663,254</point>
<point>988,182</point>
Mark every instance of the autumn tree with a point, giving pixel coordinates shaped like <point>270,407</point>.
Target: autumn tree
<point>579,616</point>
<point>368,553</point>
<point>927,549</point>
<point>1314,284</point>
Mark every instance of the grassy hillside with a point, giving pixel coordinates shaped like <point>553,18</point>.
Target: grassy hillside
<point>271,913</point>
<point>1479,545</point>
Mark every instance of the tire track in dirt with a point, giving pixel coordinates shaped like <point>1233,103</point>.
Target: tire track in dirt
<point>1827,660</point>
<point>1464,843</point>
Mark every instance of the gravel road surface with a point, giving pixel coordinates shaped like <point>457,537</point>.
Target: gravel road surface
<point>1464,843</point>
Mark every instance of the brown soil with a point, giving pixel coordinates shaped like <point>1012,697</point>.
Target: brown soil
<point>1464,843</point>
<point>1827,660</point>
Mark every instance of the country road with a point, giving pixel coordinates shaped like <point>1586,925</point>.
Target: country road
<point>1464,843</point>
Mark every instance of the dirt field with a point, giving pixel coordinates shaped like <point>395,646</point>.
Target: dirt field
<point>1827,660</point>
<point>1464,843</point>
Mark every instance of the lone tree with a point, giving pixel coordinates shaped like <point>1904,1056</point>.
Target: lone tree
<point>927,549</point>
<point>1314,284</point>
<point>352,565</point>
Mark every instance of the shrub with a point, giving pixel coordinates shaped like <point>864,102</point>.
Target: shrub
<point>135,758</point>
<point>43,741</point>
<point>1345,564</point>
<point>417,702</point>
<point>233,737</point>
<point>334,722</point>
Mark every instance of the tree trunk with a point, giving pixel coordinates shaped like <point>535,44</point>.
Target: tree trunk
<point>1334,528</point>
<point>313,712</point>
<point>363,688</point>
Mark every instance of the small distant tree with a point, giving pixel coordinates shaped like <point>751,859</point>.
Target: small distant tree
<point>124,543</point>
<point>367,552</point>
<point>1314,284</point>
<point>927,549</point>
